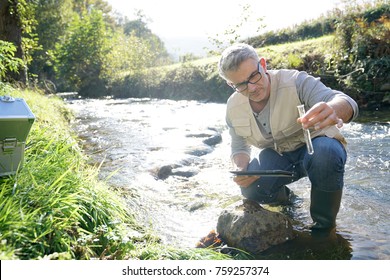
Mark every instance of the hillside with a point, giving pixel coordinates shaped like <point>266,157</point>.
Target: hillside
<point>199,79</point>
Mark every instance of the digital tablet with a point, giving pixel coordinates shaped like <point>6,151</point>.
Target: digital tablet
<point>269,173</point>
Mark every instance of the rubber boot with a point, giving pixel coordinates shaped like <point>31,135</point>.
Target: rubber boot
<point>324,207</point>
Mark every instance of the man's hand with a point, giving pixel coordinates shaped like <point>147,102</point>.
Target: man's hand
<point>245,181</point>
<point>323,115</point>
<point>241,162</point>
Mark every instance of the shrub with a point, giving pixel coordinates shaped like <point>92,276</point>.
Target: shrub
<point>8,63</point>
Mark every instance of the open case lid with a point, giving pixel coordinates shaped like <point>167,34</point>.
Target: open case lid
<point>16,118</point>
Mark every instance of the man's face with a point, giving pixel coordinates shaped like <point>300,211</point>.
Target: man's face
<point>250,80</point>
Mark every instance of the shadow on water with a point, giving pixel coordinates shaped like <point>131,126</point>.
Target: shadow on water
<point>308,246</point>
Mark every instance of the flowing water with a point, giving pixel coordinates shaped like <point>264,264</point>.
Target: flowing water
<point>133,138</point>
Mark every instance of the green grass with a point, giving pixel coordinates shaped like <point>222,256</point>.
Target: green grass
<point>277,53</point>
<point>55,207</point>
<point>295,54</point>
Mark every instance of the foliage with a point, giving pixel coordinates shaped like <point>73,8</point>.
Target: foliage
<point>138,28</point>
<point>199,79</point>
<point>362,61</point>
<point>25,10</point>
<point>79,45</point>
<point>80,59</point>
<point>356,61</point>
<point>324,25</point>
<point>188,57</point>
<point>53,19</point>
<point>128,54</point>
<point>107,52</point>
<point>307,55</point>
<point>53,32</point>
<point>8,63</point>
<point>187,81</point>
<point>104,55</point>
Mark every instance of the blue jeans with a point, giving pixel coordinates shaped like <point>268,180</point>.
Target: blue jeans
<point>325,168</point>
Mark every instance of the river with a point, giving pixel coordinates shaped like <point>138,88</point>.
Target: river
<point>133,138</point>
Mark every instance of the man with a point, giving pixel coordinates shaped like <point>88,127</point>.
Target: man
<point>262,112</point>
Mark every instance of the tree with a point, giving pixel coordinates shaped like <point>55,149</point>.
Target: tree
<point>80,58</point>
<point>234,33</point>
<point>84,6</point>
<point>139,28</point>
<point>11,31</point>
<point>53,20</point>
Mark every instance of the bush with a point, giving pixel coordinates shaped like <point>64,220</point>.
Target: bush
<point>8,63</point>
<point>362,61</point>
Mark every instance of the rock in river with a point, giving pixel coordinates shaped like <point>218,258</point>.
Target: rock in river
<point>213,140</point>
<point>164,172</point>
<point>250,227</point>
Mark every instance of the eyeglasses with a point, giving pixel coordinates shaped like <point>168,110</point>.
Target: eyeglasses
<point>253,79</point>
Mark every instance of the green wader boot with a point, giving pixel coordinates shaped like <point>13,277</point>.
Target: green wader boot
<point>324,207</point>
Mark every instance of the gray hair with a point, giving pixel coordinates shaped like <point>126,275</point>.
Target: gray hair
<point>233,56</point>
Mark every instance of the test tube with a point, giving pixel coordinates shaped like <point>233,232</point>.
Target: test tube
<point>306,132</point>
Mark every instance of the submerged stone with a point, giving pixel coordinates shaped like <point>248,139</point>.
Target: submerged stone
<point>200,150</point>
<point>213,140</point>
<point>186,172</point>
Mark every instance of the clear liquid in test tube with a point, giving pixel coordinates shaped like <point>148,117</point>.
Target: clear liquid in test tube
<point>306,132</point>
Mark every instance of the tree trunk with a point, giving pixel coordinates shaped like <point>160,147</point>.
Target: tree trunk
<point>11,31</point>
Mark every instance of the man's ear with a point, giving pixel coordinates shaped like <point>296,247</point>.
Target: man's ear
<point>263,64</point>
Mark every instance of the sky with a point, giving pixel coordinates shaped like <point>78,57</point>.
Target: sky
<point>185,26</point>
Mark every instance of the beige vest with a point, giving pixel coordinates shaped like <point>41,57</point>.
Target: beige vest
<point>287,134</point>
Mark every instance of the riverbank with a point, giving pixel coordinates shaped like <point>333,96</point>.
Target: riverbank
<point>55,207</point>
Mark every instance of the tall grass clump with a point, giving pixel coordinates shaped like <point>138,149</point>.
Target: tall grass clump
<point>55,204</point>
<point>55,207</point>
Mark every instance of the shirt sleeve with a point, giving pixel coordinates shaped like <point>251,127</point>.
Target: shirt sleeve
<point>238,143</point>
<point>311,91</point>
